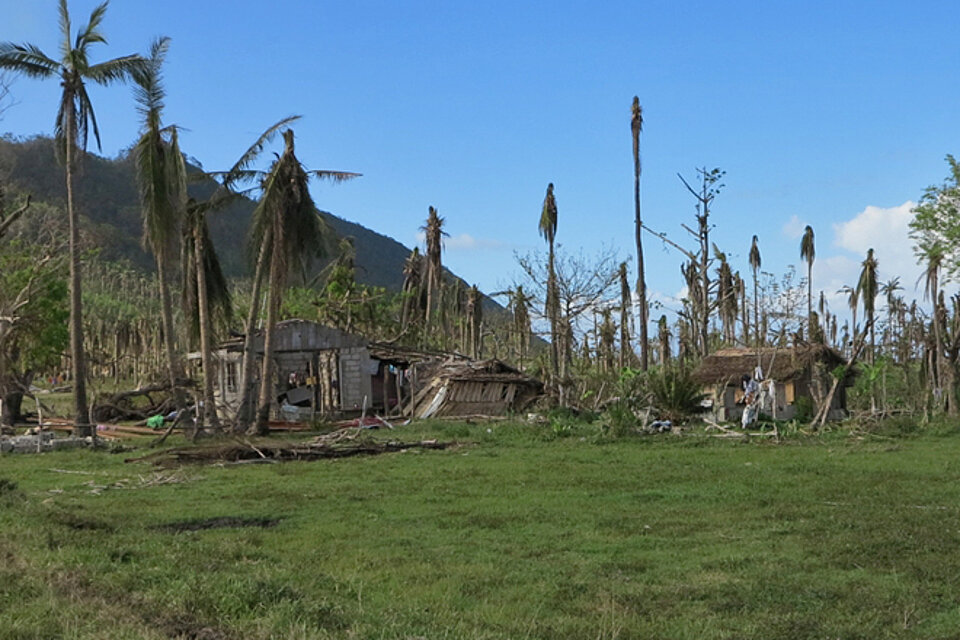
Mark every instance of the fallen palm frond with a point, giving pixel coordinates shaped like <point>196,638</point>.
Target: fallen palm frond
<point>338,444</point>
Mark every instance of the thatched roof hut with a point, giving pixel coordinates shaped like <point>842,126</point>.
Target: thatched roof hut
<point>797,378</point>
<point>781,364</point>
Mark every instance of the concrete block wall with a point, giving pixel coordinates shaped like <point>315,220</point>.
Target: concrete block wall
<point>354,378</point>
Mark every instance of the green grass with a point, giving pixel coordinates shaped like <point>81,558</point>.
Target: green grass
<point>524,532</point>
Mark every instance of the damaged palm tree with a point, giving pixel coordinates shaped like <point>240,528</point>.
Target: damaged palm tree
<point>548,229</point>
<point>161,181</point>
<point>206,299</point>
<point>290,230</point>
<point>75,119</point>
<point>433,232</point>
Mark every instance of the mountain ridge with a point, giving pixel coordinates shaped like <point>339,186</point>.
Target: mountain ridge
<point>108,203</point>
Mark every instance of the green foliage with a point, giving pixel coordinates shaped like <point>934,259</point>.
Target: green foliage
<point>622,413</point>
<point>804,409</point>
<point>40,333</point>
<point>113,223</point>
<point>674,393</point>
<point>935,228</point>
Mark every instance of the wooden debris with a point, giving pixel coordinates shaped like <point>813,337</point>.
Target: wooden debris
<point>337,444</point>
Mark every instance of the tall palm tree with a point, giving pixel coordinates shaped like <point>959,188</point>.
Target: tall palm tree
<point>636,127</point>
<point>206,298</point>
<point>889,290</point>
<point>726,297</point>
<point>161,179</point>
<point>75,119</point>
<point>808,252</point>
<point>239,174</point>
<point>867,291</point>
<point>548,229</point>
<point>853,302</point>
<point>755,267</point>
<point>433,230</point>
<point>290,230</point>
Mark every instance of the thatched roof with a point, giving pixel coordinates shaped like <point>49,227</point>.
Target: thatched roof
<point>728,365</point>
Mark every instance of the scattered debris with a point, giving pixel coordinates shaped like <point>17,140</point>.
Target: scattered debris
<point>45,441</point>
<point>336,444</point>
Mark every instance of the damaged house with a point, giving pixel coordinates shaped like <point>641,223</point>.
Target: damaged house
<point>319,371</point>
<point>322,371</point>
<point>462,387</point>
<point>795,380</point>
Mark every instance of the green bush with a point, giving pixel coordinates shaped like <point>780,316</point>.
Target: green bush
<point>674,393</point>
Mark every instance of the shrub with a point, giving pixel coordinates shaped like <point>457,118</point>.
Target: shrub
<point>674,393</point>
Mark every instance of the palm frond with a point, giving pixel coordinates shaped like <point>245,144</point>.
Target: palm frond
<point>333,176</point>
<point>148,90</point>
<point>116,70</point>
<point>90,33</point>
<point>65,29</point>
<point>86,118</point>
<point>548,215</point>
<point>238,172</point>
<point>807,247</point>
<point>28,60</point>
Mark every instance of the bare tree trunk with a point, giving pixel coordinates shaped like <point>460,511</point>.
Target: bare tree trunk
<point>553,309</point>
<point>244,419</point>
<point>641,276</point>
<point>206,349</point>
<point>174,371</point>
<point>78,368</point>
<point>267,386</point>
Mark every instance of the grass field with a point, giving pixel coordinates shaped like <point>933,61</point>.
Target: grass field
<point>518,533</point>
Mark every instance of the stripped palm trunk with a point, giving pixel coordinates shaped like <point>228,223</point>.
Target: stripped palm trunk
<point>267,386</point>
<point>244,420</point>
<point>627,356</point>
<point>636,126</point>
<point>78,365</point>
<point>210,417</point>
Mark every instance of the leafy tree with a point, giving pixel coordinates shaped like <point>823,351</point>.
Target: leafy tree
<point>33,318</point>
<point>935,228</point>
<point>75,119</point>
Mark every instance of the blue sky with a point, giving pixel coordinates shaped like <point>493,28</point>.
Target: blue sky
<point>835,114</point>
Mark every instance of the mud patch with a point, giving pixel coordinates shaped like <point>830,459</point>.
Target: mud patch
<point>185,628</point>
<point>223,522</point>
<point>79,522</point>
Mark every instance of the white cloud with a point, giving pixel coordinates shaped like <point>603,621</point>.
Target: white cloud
<point>463,242</point>
<point>886,231</point>
<point>793,228</point>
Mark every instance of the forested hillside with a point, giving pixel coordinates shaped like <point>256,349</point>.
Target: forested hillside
<point>111,220</point>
